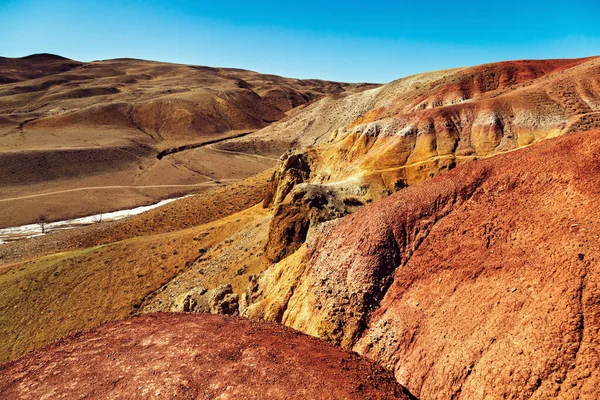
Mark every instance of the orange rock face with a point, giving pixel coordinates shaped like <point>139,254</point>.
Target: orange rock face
<point>194,356</point>
<point>423,126</point>
<point>465,114</point>
<point>481,283</point>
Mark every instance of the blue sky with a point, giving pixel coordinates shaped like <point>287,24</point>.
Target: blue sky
<point>375,41</point>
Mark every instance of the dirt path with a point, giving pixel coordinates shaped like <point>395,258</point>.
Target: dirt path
<point>208,144</point>
<point>240,153</point>
<point>212,182</point>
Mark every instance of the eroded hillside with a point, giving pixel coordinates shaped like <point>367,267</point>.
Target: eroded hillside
<point>419,127</point>
<point>427,224</point>
<point>80,138</point>
<point>479,283</point>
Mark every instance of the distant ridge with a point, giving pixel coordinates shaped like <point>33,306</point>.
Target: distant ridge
<point>45,57</point>
<point>33,66</point>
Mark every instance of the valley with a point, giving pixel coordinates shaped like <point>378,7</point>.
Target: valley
<point>443,226</point>
<point>68,125</point>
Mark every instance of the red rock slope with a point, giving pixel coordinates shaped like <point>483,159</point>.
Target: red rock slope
<point>418,127</point>
<point>194,356</point>
<point>481,283</point>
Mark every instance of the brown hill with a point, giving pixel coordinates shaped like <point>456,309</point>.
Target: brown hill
<point>66,124</point>
<point>481,283</point>
<point>161,101</point>
<point>187,356</point>
<point>34,66</point>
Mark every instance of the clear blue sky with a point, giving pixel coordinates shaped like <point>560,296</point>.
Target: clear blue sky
<point>375,41</point>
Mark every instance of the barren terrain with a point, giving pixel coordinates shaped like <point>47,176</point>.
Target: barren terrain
<point>183,356</point>
<point>385,139</point>
<point>444,225</point>
<point>481,283</point>
<point>84,138</point>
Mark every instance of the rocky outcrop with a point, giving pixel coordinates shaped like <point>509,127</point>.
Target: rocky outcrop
<point>424,126</point>
<point>294,168</point>
<point>181,356</point>
<point>481,283</point>
<point>290,225</point>
<point>219,300</point>
<point>299,205</point>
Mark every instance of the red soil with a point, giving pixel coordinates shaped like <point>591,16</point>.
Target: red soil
<point>475,81</point>
<point>194,356</point>
<point>481,283</point>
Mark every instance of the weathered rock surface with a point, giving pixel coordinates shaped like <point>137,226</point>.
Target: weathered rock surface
<point>219,300</point>
<point>192,356</point>
<point>299,205</point>
<point>410,130</point>
<point>288,229</point>
<point>481,283</point>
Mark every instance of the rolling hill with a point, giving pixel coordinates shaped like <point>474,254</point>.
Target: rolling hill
<point>129,132</point>
<point>444,226</point>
